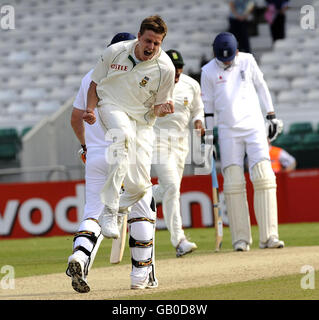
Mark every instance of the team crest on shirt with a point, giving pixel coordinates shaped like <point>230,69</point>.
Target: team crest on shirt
<point>221,79</point>
<point>185,101</point>
<point>144,81</point>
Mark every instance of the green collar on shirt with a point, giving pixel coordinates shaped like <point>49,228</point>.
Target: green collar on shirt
<point>133,61</point>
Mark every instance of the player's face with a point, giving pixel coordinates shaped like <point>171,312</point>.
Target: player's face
<point>178,72</point>
<point>228,63</point>
<point>148,45</point>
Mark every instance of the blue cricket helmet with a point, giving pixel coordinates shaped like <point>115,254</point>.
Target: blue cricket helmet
<point>122,36</point>
<point>225,46</point>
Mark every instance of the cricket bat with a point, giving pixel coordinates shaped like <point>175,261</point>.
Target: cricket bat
<point>118,245</point>
<point>218,220</point>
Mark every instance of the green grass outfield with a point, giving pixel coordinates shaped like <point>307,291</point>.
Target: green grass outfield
<point>40,255</point>
<point>279,288</point>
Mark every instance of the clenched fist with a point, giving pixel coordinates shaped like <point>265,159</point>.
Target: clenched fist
<point>161,110</point>
<point>89,116</point>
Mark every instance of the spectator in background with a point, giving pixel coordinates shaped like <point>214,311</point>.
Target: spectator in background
<point>281,160</point>
<point>240,11</point>
<point>275,15</point>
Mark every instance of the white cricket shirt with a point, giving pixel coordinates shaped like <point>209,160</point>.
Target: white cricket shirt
<point>134,88</point>
<point>188,106</point>
<point>94,134</point>
<point>232,95</point>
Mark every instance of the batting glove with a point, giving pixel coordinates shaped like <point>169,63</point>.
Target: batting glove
<point>82,153</point>
<point>274,127</point>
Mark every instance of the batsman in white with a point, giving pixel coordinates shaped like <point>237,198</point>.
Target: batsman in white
<point>132,83</point>
<point>171,148</point>
<point>142,216</point>
<point>231,84</point>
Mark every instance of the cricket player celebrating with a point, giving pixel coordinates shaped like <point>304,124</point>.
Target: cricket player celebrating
<point>88,238</point>
<point>132,83</point>
<point>231,84</point>
<point>171,148</point>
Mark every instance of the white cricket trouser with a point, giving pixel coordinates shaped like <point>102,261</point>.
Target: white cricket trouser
<point>96,168</point>
<point>89,237</point>
<point>233,149</point>
<point>168,163</point>
<point>232,152</point>
<point>129,158</point>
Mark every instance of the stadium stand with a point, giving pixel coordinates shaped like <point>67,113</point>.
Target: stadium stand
<point>291,72</point>
<point>10,144</point>
<point>55,43</point>
<point>24,131</point>
<point>287,141</point>
<point>307,152</point>
<point>301,128</point>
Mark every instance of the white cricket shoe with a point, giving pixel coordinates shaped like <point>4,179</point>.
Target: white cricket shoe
<point>76,271</point>
<point>108,223</point>
<point>185,247</point>
<point>241,245</point>
<point>272,243</point>
<point>142,278</point>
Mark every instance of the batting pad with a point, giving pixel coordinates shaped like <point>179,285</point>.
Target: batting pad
<point>141,240</point>
<point>236,204</point>
<point>88,240</point>
<point>89,229</point>
<point>265,201</point>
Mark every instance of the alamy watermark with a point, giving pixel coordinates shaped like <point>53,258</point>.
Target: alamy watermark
<point>7,277</point>
<point>308,280</point>
<point>7,17</point>
<point>167,143</point>
<point>308,17</point>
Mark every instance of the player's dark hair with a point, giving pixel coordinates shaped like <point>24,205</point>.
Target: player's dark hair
<point>154,23</point>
